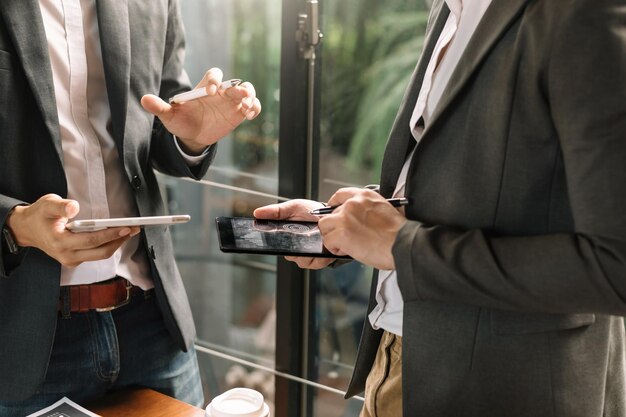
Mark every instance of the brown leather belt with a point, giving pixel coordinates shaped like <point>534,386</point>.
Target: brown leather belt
<point>100,296</point>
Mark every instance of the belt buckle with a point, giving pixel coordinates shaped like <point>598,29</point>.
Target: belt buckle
<point>121,304</point>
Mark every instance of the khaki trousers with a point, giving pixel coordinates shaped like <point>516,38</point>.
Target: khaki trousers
<point>383,388</point>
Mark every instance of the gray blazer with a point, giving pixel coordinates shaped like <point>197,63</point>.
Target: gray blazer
<point>142,48</point>
<point>513,264</point>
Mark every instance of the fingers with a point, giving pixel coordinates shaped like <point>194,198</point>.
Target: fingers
<point>91,240</point>
<point>213,75</point>
<point>56,207</point>
<point>270,212</point>
<point>331,240</point>
<point>34,225</point>
<point>156,106</point>
<point>297,209</point>
<point>43,225</point>
<point>248,86</point>
<point>354,199</point>
<point>240,92</point>
<point>71,209</point>
<point>72,249</point>
<point>327,225</point>
<point>245,92</point>
<point>343,194</point>
<point>310,263</point>
<point>104,251</point>
<point>200,120</point>
<point>254,109</point>
<point>211,80</point>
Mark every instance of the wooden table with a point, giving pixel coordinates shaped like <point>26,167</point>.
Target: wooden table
<point>142,403</point>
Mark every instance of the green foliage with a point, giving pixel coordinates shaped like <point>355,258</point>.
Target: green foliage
<point>368,52</point>
<point>256,32</point>
<point>385,83</point>
<point>367,67</point>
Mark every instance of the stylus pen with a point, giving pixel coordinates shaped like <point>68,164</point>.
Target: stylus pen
<point>396,202</point>
<point>201,92</point>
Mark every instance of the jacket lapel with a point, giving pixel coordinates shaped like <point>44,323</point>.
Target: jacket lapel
<point>115,40</point>
<point>496,20</point>
<point>25,24</point>
<point>400,139</point>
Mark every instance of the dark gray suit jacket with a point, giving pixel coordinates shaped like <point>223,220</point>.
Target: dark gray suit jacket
<point>513,264</point>
<point>142,48</point>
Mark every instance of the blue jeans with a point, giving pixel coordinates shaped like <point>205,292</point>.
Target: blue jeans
<point>94,353</point>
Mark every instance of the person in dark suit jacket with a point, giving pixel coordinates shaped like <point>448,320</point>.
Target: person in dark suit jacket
<point>80,83</point>
<point>511,256</point>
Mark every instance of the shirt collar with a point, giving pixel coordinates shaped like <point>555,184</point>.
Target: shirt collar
<point>455,6</point>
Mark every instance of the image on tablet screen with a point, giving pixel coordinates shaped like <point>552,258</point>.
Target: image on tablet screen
<point>285,236</point>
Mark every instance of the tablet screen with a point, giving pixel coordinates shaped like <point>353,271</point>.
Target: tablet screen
<point>249,235</point>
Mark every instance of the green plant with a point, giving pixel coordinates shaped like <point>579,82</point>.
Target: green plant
<point>385,82</point>
<point>369,53</point>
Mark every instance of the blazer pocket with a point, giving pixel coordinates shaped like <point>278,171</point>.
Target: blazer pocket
<point>512,323</point>
<point>6,60</point>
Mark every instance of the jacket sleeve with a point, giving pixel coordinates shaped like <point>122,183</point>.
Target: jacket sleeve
<point>7,260</point>
<point>579,272</point>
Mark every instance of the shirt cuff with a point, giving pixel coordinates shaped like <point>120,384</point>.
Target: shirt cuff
<point>191,160</point>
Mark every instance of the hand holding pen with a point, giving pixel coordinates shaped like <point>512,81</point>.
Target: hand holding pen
<point>365,226</point>
<point>396,202</point>
<point>202,91</point>
<point>198,124</point>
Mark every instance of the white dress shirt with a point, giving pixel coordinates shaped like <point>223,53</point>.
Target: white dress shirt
<point>459,28</point>
<point>95,176</point>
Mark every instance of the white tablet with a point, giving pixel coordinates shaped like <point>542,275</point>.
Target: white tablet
<point>92,225</point>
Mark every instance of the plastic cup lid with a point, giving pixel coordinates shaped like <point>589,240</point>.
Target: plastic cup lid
<point>238,402</point>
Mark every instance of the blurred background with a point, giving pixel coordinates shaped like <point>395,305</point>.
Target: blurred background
<point>262,323</point>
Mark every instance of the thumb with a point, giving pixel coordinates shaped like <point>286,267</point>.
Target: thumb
<point>56,207</point>
<point>71,208</point>
<point>271,211</point>
<point>297,209</point>
<point>156,106</point>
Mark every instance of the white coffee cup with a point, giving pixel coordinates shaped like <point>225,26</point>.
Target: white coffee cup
<point>238,402</point>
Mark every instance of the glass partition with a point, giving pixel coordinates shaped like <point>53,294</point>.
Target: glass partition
<point>232,296</point>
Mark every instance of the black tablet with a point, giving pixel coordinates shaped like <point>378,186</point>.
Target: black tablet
<point>273,237</point>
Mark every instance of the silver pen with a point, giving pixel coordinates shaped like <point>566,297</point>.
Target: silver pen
<point>202,92</point>
<point>396,202</point>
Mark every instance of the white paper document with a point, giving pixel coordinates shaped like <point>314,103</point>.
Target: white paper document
<point>64,408</point>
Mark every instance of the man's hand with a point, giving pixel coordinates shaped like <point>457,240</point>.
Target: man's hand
<point>295,210</point>
<point>42,225</point>
<point>364,226</point>
<point>202,122</point>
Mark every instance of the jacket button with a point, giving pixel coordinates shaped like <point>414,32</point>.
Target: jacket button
<point>136,182</point>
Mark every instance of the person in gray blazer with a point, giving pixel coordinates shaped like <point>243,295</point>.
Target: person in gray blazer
<point>80,83</point>
<point>502,284</point>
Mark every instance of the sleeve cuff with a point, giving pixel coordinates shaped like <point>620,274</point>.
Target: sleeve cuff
<point>191,160</point>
